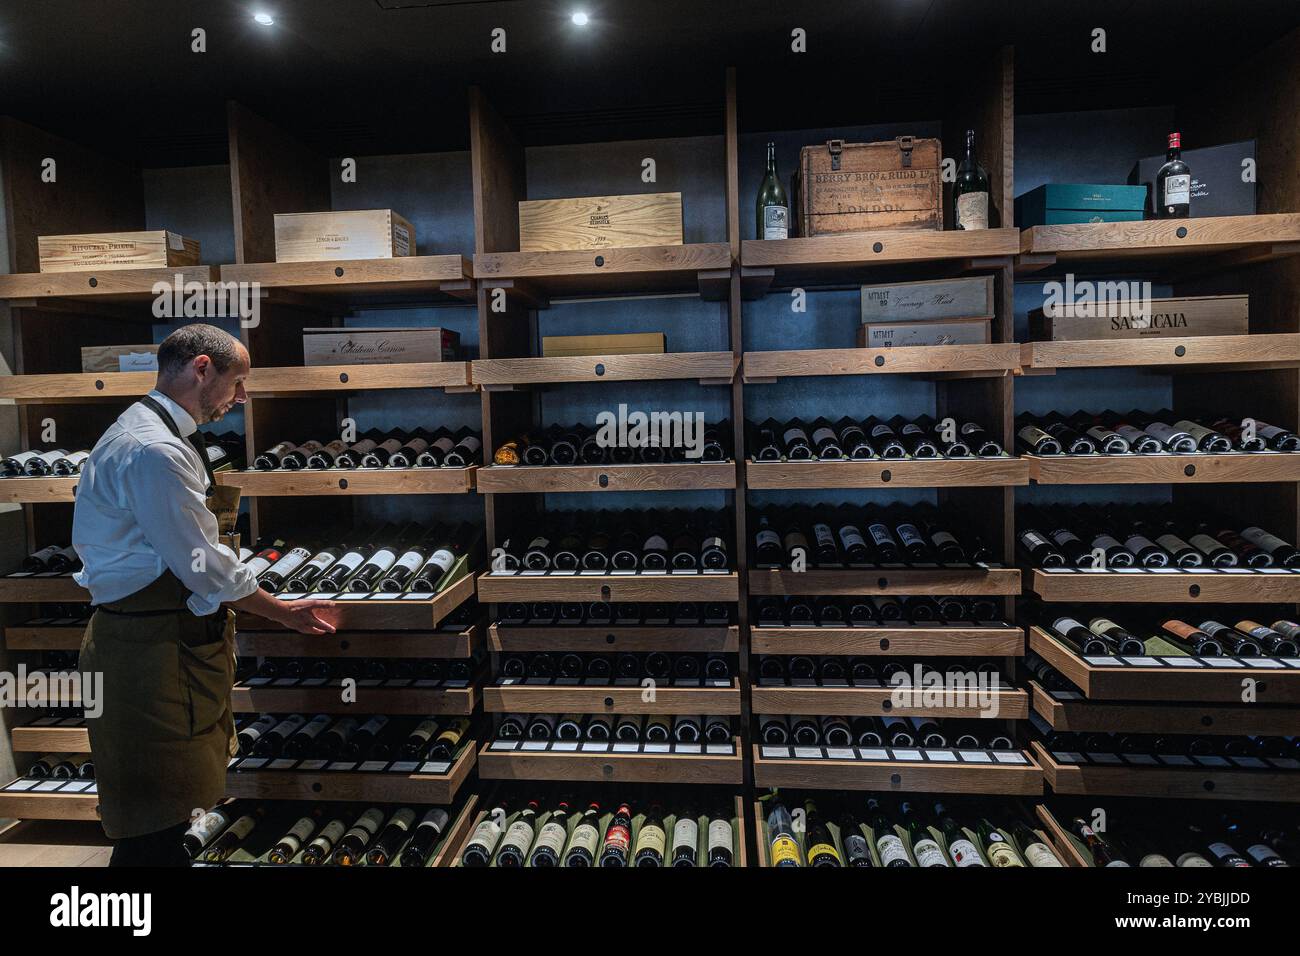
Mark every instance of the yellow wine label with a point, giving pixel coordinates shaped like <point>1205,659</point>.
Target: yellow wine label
<point>650,838</point>
<point>823,849</point>
<point>785,852</point>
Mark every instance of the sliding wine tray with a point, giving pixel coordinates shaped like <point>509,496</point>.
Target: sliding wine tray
<point>1003,470</point>
<point>319,696</point>
<point>1166,354</point>
<point>1068,711</point>
<point>872,698</point>
<point>612,761</point>
<point>927,361</point>
<point>1171,775</point>
<point>351,481</point>
<point>497,586</point>
<point>891,579</point>
<point>1165,678</point>
<point>37,490</point>
<point>1167,585</point>
<point>1254,466</point>
<point>508,479</point>
<point>896,769</point>
<point>559,695</point>
<point>601,638</point>
<point>895,640</point>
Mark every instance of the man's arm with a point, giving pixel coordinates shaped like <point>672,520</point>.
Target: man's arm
<point>305,616</point>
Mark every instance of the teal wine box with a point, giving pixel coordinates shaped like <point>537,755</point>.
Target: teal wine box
<point>1057,203</point>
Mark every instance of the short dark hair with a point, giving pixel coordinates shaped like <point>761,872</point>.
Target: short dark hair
<point>181,347</point>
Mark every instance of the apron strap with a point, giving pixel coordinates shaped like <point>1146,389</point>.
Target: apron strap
<point>196,441</point>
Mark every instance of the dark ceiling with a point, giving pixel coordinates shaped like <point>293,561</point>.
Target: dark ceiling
<point>370,76</point>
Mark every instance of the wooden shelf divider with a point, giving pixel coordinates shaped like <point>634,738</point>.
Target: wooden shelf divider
<point>933,361</point>
<point>878,472</point>
<point>1143,586</point>
<point>1005,581</point>
<point>665,477</point>
<point>608,587</point>
<point>350,481</point>
<point>561,699</point>
<point>611,767</point>
<point>1163,469</point>
<point>704,638</point>
<point>714,368</point>
<point>899,776</point>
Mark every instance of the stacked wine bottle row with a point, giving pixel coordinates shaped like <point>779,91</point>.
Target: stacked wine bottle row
<point>582,445</point>
<point>1136,748</point>
<point>562,831</point>
<point>225,450</point>
<point>600,669</point>
<point>899,732</point>
<point>377,449</point>
<point>620,541</point>
<point>1147,536</point>
<point>866,833</point>
<point>52,559</point>
<point>1139,433</point>
<point>848,439</point>
<point>604,613</point>
<point>833,536</point>
<point>332,835</point>
<point>390,560</point>
<point>332,671</point>
<point>331,737</point>
<point>832,670</point>
<point>874,611</point>
<point>62,766</point>
<point>1175,635</point>
<point>629,728</point>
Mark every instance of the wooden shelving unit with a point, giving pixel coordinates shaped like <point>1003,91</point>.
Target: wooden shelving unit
<point>997,581</point>
<point>609,765</point>
<point>1152,587</point>
<point>903,641</point>
<point>1173,354</point>
<point>516,479</point>
<point>539,276</point>
<point>1069,713</point>
<point>524,698</point>
<point>503,638</point>
<point>414,700</point>
<point>350,481</point>
<point>448,275</point>
<point>497,587</point>
<point>37,490</point>
<point>1163,469</point>
<point>378,786</point>
<point>1010,703</point>
<point>710,368</point>
<point>928,361</point>
<point>878,472</point>
<point>1024,778</point>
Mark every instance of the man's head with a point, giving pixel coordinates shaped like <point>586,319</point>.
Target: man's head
<point>202,369</point>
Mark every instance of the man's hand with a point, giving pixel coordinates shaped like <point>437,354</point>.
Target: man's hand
<point>307,616</point>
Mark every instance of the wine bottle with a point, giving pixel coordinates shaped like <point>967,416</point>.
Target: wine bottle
<point>270,744</point>
<point>782,845</point>
<point>287,847</point>
<point>298,456</point>
<point>228,842</point>
<point>1234,643</point>
<point>1034,851</point>
<point>925,848</point>
<point>1173,184</point>
<point>551,838</point>
<point>997,848</point>
<point>327,455</point>
<point>818,839</point>
<point>1103,854</point>
<point>961,850</point>
<point>651,839</point>
<point>72,464</point>
<point>970,191</point>
<point>427,833</point>
<point>772,208</point>
<point>271,459</point>
<point>1191,639</point>
<point>889,846</point>
<point>519,837</point>
<point>686,839</point>
<point>1270,641</point>
<point>483,841</point>
<point>585,840</point>
<point>203,830</point>
<point>618,838</point>
<point>322,845</point>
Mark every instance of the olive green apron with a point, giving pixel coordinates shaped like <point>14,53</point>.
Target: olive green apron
<point>166,731</point>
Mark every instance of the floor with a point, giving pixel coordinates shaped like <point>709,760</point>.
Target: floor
<point>53,843</point>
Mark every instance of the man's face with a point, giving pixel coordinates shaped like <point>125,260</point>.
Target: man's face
<point>222,391</point>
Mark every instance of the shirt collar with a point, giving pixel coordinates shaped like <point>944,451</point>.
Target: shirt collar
<point>184,420</point>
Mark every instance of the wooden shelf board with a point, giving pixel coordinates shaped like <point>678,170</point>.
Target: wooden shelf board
<point>535,699</point>
<point>419,644</point>
<point>135,285</point>
<point>402,275</point>
<point>297,379</point>
<point>61,589</point>
<point>383,615</point>
<point>1201,353</point>
<point>369,700</point>
<point>40,638</point>
<point>709,367</point>
<point>1011,704</point>
<point>935,361</point>
<point>843,257</point>
<point>1182,587</point>
<point>918,641</point>
<point>75,386</point>
<point>666,477</point>
<point>898,776</point>
<point>1166,718</point>
<point>46,740</point>
<point>610,587</point>
<point>49,806</point>
<point>351,481</point>
<point>1192,782</point>
<point>885,581</point>
<point>614,638</point>
<point>612,767</point>
<point>1272,685</point>
<point>327,786</point>
<point>1163,469</point>
<point>37,490</point>
<point>638,270</point>
<point>878,472</point>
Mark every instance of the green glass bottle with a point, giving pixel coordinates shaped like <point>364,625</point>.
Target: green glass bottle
<point>772,207</point>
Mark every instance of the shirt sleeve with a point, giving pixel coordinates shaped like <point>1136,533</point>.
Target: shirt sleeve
<point>168,501</point>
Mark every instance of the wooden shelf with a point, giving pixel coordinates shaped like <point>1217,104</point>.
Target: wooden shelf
<point>704,267</point>
<point>543,478</point>
<point>270,381</point>
<point>75,386</point>
<point>447,275</point>
<point>110,285</point>
<point>844,258</point>
<point>1163,469</point>
<point>905,473</point>
<point>886,581</point>
<point>384,615</point>
<point>41,638</point>
<point>1056,834</point>
<point>710,368</point>
<point>930,361</point>
<point>30,805</point>
<point>703,638</point>
<point>560,699</point>
<point>369,700</point>
<point>326,786</point>
<point>611,767</point>
<point>47,740</point>
<point>1273,685</point>
<point>1190,245</point>
<point>417,645</point>
<point>61,589</point>
<point>609,587</point>
<point>898,776</point>
<point>37,490</point>
<point>1011,703</point>
<point>351,481</point>
<point>1076,714</point>
<point>1202,353</point>
<point>902,641</point>
<point>1143,587</point>
<point>1196,782</point>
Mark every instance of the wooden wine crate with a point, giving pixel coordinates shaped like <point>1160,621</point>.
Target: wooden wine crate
<point>969,297</point>
<point>600,222</point>
<point>377,346</point>
<point>119,358</point>
<point>99,252</point>
<point>623,343</point>
<point>857,187</point>
<point>352,234</point>
<point>1181,317</point>
<point>878,335</point>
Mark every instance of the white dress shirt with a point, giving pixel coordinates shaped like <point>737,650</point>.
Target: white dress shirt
<point>140,508</point>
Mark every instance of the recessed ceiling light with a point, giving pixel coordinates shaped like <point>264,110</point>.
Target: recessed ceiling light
<point>265,19</point>
<point>580,18</point>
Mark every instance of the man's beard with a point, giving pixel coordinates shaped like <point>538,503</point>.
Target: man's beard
<point>211,411</point>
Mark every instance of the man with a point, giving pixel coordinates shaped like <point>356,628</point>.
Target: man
<point>162,585</point>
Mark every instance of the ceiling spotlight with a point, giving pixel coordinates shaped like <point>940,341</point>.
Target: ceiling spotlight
<point>265,19</point>
<point>580,18</point>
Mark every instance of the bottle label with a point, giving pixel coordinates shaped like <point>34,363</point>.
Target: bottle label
<point>784,851</point>
<point>927,853</point>
<point>291,562</point>
<point>1227,855</point>
<point>776,222</point>
<point>910,535</point>
<point>793,435</point>
<point>892,850</point>
<point>585,837</point>
<point>686,832</point>
<point>551,838</point>
<point>300,831</point>
<point>321,561</point>
<point>963,853</point>
<point>1178,190</point>
<point>973,211</point>
<point>1039,855</point>
<point>823,849</point>
<point>880,534</point>
<point>825,539</point>
<point>1032,539</point>
<point>411,561</point>
<point>1262,539</point>
<point>822,435</point>
<point>348,563</point>
<point>206,827</point>
<point>242,827</point>
<point>1000,852</point>
<point>1265,855</point>
<point>720,835</point>
<point>943,539</point>
<point>1151,859</point>
<point>486,835</point>
<point>618,836</point>
<point>1193,859</point>
<point>436,818</point>
<point>651,838</point>
<point>520,834</point>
